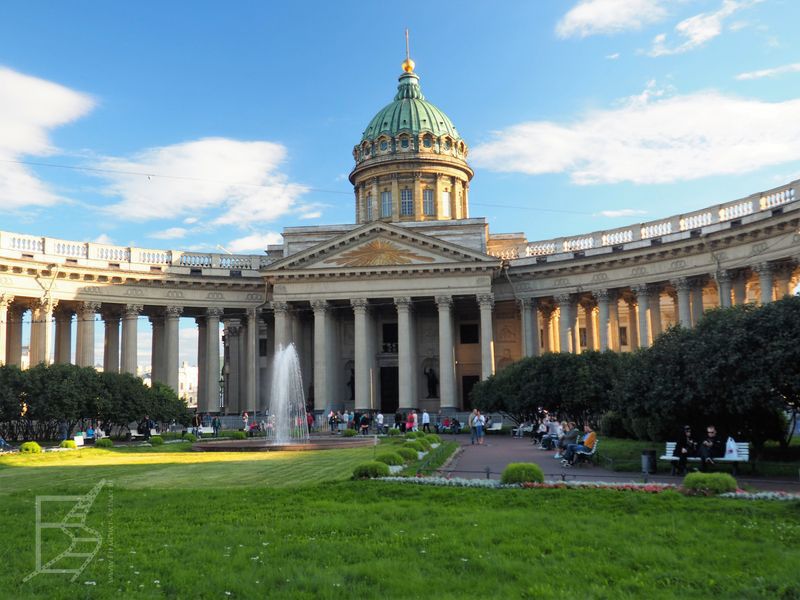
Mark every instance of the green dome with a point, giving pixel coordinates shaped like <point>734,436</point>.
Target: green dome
<point>409,113</point>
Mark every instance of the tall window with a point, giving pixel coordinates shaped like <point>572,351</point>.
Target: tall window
<point>446,205</point>
<point>369,207</point>
<point>386,204</point>
<point>428,206</point>
<point>406,202</point>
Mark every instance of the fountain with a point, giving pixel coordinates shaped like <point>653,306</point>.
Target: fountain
<point>287,427</point>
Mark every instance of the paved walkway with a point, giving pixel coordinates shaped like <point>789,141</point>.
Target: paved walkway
<point>498,451</point>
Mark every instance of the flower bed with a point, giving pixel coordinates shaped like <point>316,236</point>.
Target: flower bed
<point>743,495</point>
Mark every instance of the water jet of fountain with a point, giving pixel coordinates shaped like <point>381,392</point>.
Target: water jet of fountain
<point>287,408</point>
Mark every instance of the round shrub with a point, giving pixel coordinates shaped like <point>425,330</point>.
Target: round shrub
<point>390,458</point>
<point>30,448</point>
<point>190,437</point>
<point>349,433</point>
<point>68,444</point>
<point>238,435</point>
<point>370,470</point>
<point>709,484</point>
<point>426,445</point>
<point>156,440</point>
<point>104,443</point>
<point>393,432</point>
<point>433,438</point>
<point>415,445</point>
<point>413,435</point>
<point>522,473</point>
<point>408,454</point>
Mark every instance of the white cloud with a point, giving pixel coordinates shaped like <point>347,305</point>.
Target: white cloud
<point>651,139</point>
<point>190,220</point>
<point>104,238</point>
<point>613,56</point>
<point>622,212</point>
<point>29,108</point>
<point>773,72</point>
<point>173,233</point>
<point>698,29</point>
<point>591,17</point>
<point>311,215</point>
<point>242,179</point>
<point>256,242</point>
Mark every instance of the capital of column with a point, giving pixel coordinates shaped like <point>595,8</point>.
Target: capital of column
<point>763,268</point>
<point>173,311</point>
<point>682,284</point>
<point>403,303</point>
<point>233,327</point>
<point>49,304</point>
<point>530,303</point>
<point>132,310</point>
<point>111,315</point>
<point>723,277</point>
<point>5,300</point>
<point>215,311</point>
<point>643,289</point>
<point>280,307</point>
<point>562,299</point>
<point>444,302</point>
<point>359,305</point>
<point>486,301</point>
<point>604,295</point>
<point>320,306</point>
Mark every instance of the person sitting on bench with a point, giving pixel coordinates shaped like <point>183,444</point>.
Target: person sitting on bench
<point>586,446</point>
<point>570,436</point>
<point>711,448</point>
<point>684,448</point>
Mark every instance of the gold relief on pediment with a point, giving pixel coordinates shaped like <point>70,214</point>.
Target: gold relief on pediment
<point>378,253</point>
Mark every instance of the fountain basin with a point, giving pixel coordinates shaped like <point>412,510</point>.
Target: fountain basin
<point>263,445</point>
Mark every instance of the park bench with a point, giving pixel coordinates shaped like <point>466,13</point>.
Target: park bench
<point>587,455</point>
<point>742,447</point>
<point>520,430</point>
<point>496,426</point>
<point>135,435</point>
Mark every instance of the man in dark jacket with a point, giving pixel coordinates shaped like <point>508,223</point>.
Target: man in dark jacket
<point>684,448</point>
<point>711,447</point>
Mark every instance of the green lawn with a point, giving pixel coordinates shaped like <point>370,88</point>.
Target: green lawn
<point>192,525</point>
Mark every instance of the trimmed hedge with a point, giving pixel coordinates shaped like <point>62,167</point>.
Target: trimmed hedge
<point>415,445</point>
<point>30,448</point>
<point>190,437</point>
<point>393,432</point>
<point>433,438</point>
<point>390,458</point>
<point>104,443</point>
<point>408,454</point>
<point>238,435</point>
<point>709,484</point>
<point>413,435</point>
<point>68,444</point>
<point>426,445</point>
<point>349,433</point>
<point>522,473</point>
<point>156,440</point>
<point>370,470</point>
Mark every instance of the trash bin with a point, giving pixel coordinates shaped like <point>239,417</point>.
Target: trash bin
<point>649,461</point>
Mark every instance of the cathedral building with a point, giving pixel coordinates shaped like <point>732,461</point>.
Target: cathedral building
<point>411,304</point>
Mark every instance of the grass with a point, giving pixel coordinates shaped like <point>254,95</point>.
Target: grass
<point>193,525</point>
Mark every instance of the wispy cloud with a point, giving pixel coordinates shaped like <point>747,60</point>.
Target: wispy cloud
<point>592,17</point>
<point>773,72</point>
<point>652,139</point>
<point>613,56</point>
<point>622,212</point>
<point>173,233</point>
<point>29,109</point>
<point>239,182</point>
<point>103,238</point>
<point>311,215</point>
<point>697,30</point>
<point>256,242</point>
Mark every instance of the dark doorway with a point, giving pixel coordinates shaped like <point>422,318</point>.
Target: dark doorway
<point>390,395</point>
<point>467,381</point>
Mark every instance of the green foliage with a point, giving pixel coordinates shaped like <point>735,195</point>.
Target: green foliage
<point>238,435</point>
<point>522,473</point>
<point>413,435</point>
<point>415,445</point>
<point>612,425</point>
<point>104,443</point>
<point>156,440</point>
<point>370,470</point>
<point>190,437</point>
<point>390,458</point>
<point>349,433</point>
<point>68,444</point>
<point>393,432</point>
<point>408,454</point>
<point>30,448</point>
<point>426,445</point>
<point>433,438</point>
<point>709,484</point>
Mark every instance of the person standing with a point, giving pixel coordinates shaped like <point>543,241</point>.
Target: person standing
<point>480,424</point>
<point>473,432</point>
<point>245,420</point>
<point>415,420</point>
<point>216,425</point>
<point>379,422</point>
<point>426,421</point>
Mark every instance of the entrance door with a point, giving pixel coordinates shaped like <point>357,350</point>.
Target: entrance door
<point>467,381</point>
<point>390,395</point>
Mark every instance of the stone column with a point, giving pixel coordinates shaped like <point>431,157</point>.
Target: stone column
<point>603,318</point>
<point>362,362</point>
<point>282,325</point>
<point>566,322</point>
<point>633,327</point>
<point>202,363</point>
<point>111,343</point>
<point>63,355</point>
<point>212,371</point>
<point>172,319</point>
<point>321,343</point>
<point>5,301</point>
<point>447,363</point>
<point>588,312</point>
<point>486,304</point>
<point>251,382</point>
<point>85,350</point>
<point>697,301</point>
<point>724,288</point>
<point>157,372</point>
<point>130,341</point>
<point>405,360</point>
<point>655,312</point>
<point>783,281</point>
<point>613,321</point>
<point>643,298</point>
<point>14,334</point>
<point>765,281</point>
<point>577,347</point>
<point>739,289</point>
<point>530,326</point>
<point>41,344</point>
<point>682,288</point>
<point>547,328</point>
<point>233,331</point>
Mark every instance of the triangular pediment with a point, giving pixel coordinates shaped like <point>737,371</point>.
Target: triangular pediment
<point>381,245</point>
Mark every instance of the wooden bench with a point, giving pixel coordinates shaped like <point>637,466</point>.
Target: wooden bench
<point>521,430</point>
<point>742,447</point>
<point>498,426</point>
<point>587,455</point>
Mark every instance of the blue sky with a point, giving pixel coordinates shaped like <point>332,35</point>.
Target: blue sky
<point>580,115</point>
